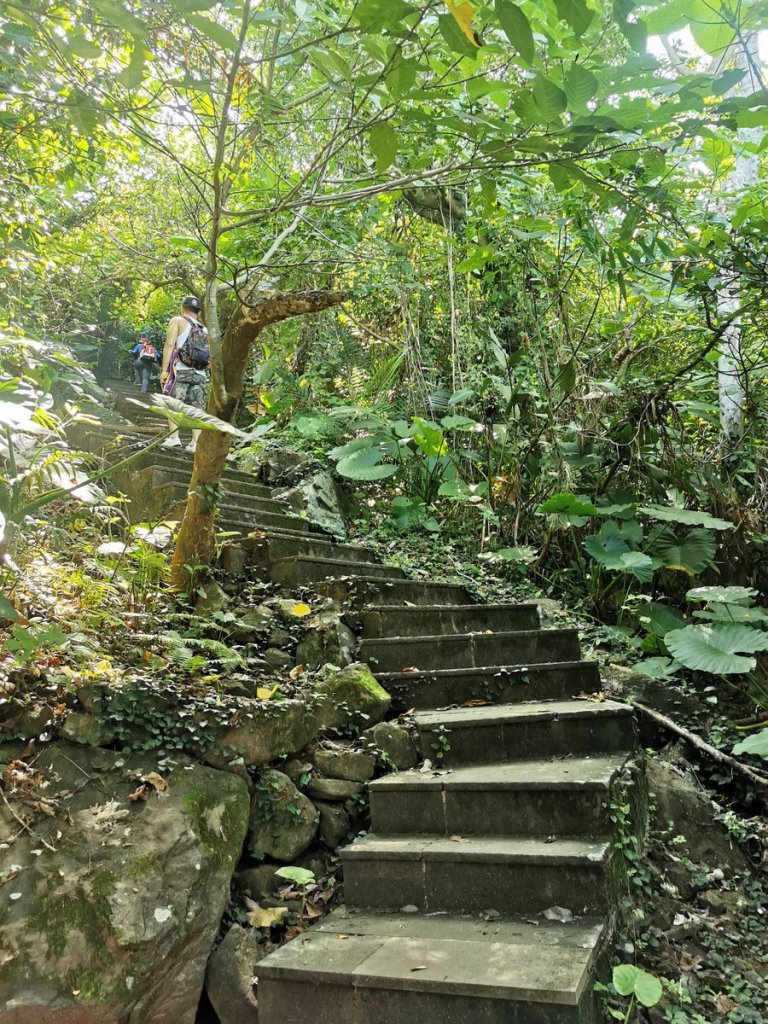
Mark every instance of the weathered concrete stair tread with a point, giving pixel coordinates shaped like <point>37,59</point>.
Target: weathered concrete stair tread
<point>518,714</point>
<point>489,849</point>
<point>577,773</point>
<point>433,688</point>
<point>370,590</point>
<point>305,569</point>
<point>460,650</point>
<point>524,798</point>
<point>394,620</point>
<point>509,960</point>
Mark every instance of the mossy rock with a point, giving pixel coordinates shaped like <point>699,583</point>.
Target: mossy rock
<point>263,733</point>
<point>350,698</point>
<point>117,921</point>
<point>283,821</point>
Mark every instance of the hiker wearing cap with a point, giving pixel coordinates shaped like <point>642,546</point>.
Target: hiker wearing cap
<point>186,357</point>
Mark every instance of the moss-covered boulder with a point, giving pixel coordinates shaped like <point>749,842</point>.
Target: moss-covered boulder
<point>114,894</point>
<point>260,733</point>
<point>326,641</point>
<point>350,697</point>
<point>392,744</point>
<point>283,821</point>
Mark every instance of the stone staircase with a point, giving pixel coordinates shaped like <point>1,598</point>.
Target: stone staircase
<point>444,919</point>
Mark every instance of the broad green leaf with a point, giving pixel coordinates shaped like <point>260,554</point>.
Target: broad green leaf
<point>375,15</point>
<point>580,86</point>
<point>723,595</point>
<point>517,28</point>
<point>7,611</point>
<point>660,619</point>
<point>576,13</point>
<point>629,980</point>
<point>215,31</point>
<point>549,98</point>
<point>189,417</point>
<point>455,37</point>
<point>731,613</point>
<point>463,13</point>
<point>401,75</point>
<point>566,377</point>
<point>300,876</point>
<point>685,516</point>
<point>756,743</point>
<point>522,554</point>
<point>410,512</point>
<point>567,504</point>
<point>382,139</point>
<point>656,668</point>
<point>80,46</point>
<point>459,423</point>
<point>692,554</point>
<point>718,649</point>
<point>710,30</point>
<point>132,75</point>
<point>366,465</point>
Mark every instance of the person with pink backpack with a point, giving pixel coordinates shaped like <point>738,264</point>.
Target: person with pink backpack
<point>186,357</point>
<point>145,358</point>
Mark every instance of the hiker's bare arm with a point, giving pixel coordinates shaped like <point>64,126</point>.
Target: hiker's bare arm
<point>175,328</point>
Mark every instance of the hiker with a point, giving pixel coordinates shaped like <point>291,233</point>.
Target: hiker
<point>145,358</point>
<point>185,363</point>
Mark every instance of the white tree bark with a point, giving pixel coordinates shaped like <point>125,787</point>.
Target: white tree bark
<point>730,382</point>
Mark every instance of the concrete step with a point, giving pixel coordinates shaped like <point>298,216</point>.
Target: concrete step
<point>242,522</point>
<point>470,874</point>
<point>394,620</point>
<point>499,684</point>
<point>300,571</point>
<point>523,798</point>
<point>512,732</point>
<point>248,505</point>
<point>180,474</point>
<point>275,546</point>
<point>368,590</point>
<point>470,650</point>
<point>401,968</point>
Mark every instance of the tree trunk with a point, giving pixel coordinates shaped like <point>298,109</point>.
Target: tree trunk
<point>195,546</point>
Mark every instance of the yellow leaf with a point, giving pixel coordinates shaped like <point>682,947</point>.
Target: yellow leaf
<point>463,14</point>
<point>300,610</point>
<point>265,917</point>
<point>267,692</point>
<point>157,781</point>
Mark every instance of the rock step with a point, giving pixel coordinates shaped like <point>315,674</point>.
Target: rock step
<point>237,521</point>
<point>275,546</point>
<point>533,798</point>
<point>500,684</point>
<point>401,968</point>
<point>302,571</point>
<point>512,732</point>
<point>370,590</point>
<point>470,650</point>
<point>394,620</point>
<point>471,874</point>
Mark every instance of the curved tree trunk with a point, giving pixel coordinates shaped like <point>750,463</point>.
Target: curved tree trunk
<point>195,547</point>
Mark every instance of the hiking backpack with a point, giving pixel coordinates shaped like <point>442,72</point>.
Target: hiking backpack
<point>148,354</point>
<point>195,352</point>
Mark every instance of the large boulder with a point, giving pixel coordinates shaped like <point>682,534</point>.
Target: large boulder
<point>283,821</point>
<point>117,888</point>
<point>393,744</point>
<point>326,641</point>
<point>230,976</point>
<point>350,697</point>
<point>260,734</point>
<point>682,807</point>
<point>322,500</point>
<point>343,763</point>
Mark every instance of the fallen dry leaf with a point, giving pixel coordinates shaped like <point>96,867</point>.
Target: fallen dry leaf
<point>596,698</point>
<point>724,1004</point>
<point>155,780</point>
<point>410,668</point>
<point>140,793</point>
<point>296,672</point>
<point>265,917</point>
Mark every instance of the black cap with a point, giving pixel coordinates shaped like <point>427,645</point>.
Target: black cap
<point>191,303</point>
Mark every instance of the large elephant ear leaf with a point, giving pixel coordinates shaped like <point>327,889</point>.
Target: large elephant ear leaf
<point>685,516</point>
<point>757,744</point>
<point>691,555</point>
<point>718,649</point>
<point>189,417</point>
<point>723,595</point>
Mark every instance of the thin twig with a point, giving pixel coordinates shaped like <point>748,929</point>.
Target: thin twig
<point>24,826</point>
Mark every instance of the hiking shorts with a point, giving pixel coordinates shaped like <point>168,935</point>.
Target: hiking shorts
<point>190,387</point>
